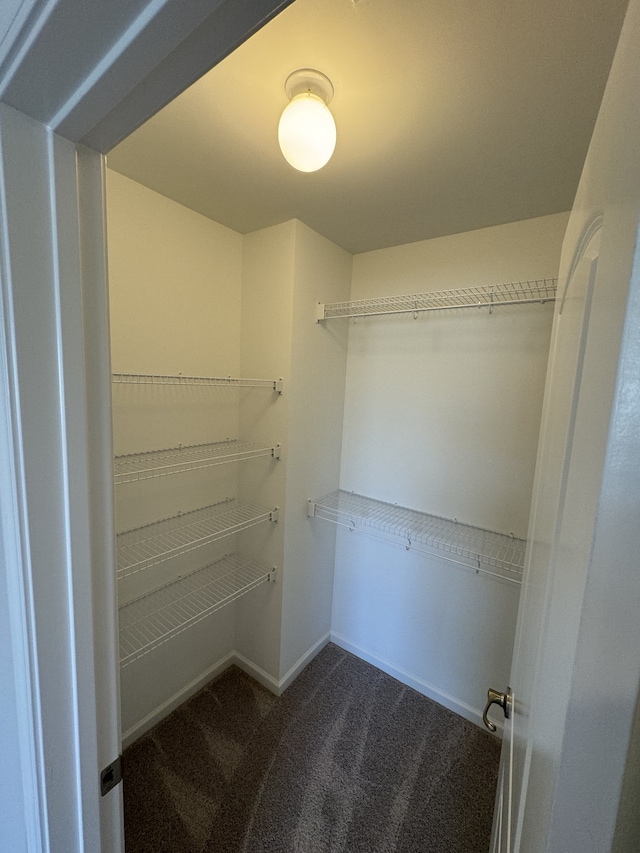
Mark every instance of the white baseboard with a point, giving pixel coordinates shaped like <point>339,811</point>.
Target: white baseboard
<point>300,664</point>
<point>277,687</point>
<point>474,715</point>
<point>273,685</point>
<point>258,674</point>
<point>174,701</point>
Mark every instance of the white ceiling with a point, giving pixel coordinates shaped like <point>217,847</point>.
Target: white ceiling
<point>451,114</point>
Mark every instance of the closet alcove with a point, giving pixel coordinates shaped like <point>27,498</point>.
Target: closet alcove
<point>239,417</point>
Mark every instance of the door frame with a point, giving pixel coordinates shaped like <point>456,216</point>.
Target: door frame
<point>59,114</point>
<point>71,109</point>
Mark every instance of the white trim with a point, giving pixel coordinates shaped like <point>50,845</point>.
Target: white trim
<point>14,551</point>
<point>104,65</point>
<point>176,700</point>
<point>233,658</point>
<point>20,37</point>
<point>15,543</point>
<point>95,308</point>
<point>300,664</point>
<point>180,44</point>
<point>258,674</point>
<point>277,687</point>
<point>473,715</point>
<point>49,591</point>
<point>74,497</point>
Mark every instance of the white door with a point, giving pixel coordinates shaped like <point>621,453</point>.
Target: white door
<point>575,670</point>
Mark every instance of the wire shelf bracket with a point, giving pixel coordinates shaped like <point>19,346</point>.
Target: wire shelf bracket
<point>152,619</point>
<point>155,543</point>
<point>486,551</point>
<point>177,460</point>
<point>481,296</point>
<point>206,381</point>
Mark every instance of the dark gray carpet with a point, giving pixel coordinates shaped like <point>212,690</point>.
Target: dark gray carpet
<point>347,759</point>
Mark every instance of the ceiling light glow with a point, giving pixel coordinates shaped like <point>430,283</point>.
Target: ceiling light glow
<point>307,130</point>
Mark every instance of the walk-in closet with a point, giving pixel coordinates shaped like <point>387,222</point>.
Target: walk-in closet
<point>364,478</point>
<point>324,433</point>
<point>320,451</point>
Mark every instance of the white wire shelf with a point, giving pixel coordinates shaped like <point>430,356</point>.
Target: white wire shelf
<point>483,296</point>
<point>485,550</point>
<point>207,381</point>
<point>149,621</point>
<point>176,460</point>
<point>155,543</point>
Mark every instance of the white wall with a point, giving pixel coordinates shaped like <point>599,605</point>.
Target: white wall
<point>267,295</point>
<point>322,273</point>
<point>175,299</point>
<point>442,415</point>
<point>189,296</point>
<point>286,270</point>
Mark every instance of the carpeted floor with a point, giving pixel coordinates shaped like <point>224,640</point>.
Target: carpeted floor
<point>347,759</point>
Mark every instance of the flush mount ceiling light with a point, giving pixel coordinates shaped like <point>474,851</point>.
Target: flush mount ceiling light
<point>307,131</point>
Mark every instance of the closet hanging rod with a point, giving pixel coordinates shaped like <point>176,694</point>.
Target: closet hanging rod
<point>207,381</point>
<point>486,551</point>
<point>482,296</point>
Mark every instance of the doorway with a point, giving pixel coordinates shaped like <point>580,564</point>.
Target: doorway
<point>498,643</point>
<point>24,377</point>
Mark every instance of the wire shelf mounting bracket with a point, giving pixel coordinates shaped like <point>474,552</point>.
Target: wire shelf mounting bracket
<point>274,514</point>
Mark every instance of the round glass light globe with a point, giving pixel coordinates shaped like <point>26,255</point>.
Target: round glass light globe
<point>307,133</point>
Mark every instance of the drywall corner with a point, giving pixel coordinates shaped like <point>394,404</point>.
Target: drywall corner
<point>267,305</point>
<point>322,273</point>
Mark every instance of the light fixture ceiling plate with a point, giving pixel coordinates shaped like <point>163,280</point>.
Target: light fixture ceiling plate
<point>309,80</point>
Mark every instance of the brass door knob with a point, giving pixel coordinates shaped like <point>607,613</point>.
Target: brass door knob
<point>494,697</point>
